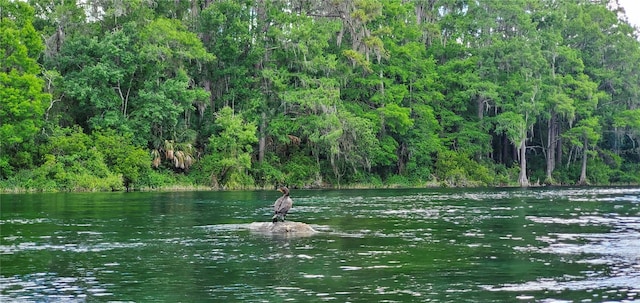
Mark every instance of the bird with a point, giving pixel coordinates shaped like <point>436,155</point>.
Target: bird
<point>282,205</point>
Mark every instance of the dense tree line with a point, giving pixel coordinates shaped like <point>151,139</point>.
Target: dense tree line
<point>107,94</point>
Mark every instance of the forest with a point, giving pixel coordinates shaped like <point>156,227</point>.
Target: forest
<point>103,95</point>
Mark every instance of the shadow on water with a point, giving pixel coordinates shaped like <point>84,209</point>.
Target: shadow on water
<point>488,245</point>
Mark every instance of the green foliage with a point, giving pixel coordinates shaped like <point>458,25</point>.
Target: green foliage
<point>599,172</point>
<point>513,125</point>
<point>300,171</point>
<point>367,180</point>
<point>627,174</point>
<point>158,179</point>
<point>396,118</point>
<point>628,118</point>
<point>229,157</point>
<point>586,133</point>
<point>122,157</point>
<point>169,40</point>
<point>98,78</point>
<point>398,181</point>
<point>74,161</point>
<point>455,169</point>
<point>267,174</point>
<point>70,163</point>
<point>22,100</point>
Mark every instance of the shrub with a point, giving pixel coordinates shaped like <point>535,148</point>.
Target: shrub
<point>398,181</point>
<point>266,174</point>
<point>457,169</point>
<point>300,171</point>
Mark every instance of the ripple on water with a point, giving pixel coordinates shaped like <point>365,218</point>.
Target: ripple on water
<point>623,244</point>
<point>70,247</point>
<point>626,285</point>
<point>614,257</point>
<point>39,287</point>
<point>23,221</point>
<point>582,220</point>
<point>378,260</point>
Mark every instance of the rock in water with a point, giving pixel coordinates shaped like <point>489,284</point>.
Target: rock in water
<point>286,227</point>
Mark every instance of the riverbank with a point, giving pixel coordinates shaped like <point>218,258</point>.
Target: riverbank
<point>191,187</point>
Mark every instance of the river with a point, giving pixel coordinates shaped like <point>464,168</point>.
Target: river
<point>392,245</point>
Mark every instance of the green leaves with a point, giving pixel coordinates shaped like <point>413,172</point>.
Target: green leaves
<point>75,161</point>
<point>22,100</point>
<point>122,157</point>
<point>168,40</point>
<point>513,126</point>
<point>19,41</point>
<point>628,118</point>
<point>586,133</point>
<point>396,118</point>
<point>230,151</point>
<point>315,93</point>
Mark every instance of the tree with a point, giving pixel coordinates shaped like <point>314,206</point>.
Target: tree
<point>630,120</point>
<point>585,135</point>
<point>229,156</point>
<point>22,100</point>
<point>100,79</point>
<point>335,92</point>
<point>515,126</point>
<point>515,50</point>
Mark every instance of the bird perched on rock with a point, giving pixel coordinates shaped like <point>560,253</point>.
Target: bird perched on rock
<point>282,205</point>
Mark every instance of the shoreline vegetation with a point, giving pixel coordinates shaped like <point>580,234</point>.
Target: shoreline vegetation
<point>190,187</point>
<point>225,95</point>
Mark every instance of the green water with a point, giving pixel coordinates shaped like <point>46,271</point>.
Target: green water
<point>479,245</point>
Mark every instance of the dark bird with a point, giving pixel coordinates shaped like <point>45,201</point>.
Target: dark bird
<point>282,205</point>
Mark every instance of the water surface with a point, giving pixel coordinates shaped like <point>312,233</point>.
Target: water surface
<point>427,245</point>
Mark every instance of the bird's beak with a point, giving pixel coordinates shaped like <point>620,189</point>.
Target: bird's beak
<point>279,189</point>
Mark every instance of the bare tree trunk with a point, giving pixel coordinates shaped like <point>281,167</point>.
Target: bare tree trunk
<point>522,178</point>
<point>583,170</point>
<point>551,148</point>
<point>559,149</point>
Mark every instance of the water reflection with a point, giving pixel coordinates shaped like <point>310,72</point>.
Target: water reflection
<point>545,245</point>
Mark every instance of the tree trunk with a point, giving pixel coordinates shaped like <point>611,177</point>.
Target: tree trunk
<point>559,149</point>
<point>262,140</point>
<point>522,178</point>
<point>403,158</point>
<point>208,87</point>
<point>583,170</point>
<point>504,151</point>
<point>551,148</point>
